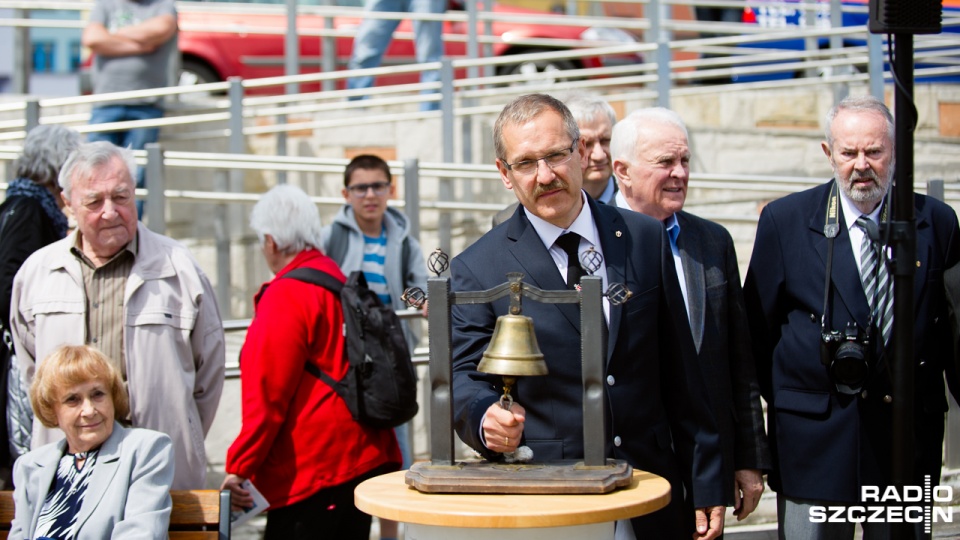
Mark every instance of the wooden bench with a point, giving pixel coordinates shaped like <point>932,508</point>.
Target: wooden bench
<point>201,514</point>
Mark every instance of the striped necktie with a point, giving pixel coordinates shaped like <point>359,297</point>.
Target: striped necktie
<point>875,278</point>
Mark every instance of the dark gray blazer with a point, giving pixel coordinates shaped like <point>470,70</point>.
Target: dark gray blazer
<point>718,322</point>
<point>658,417</point>
<point>129,491</point>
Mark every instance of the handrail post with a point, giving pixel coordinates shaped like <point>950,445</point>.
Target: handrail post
<point>411,195</point>
<point>31,115</point>
<point>841,89</point>
<point>445,192</point>
<point>328,55</point>
<point>488,70</point>
<point>657,13</point>
<point>875,64</point>
<point>229,181</point>
<point>21,54</point>
<point>156,198</point>
<point>936,189</point>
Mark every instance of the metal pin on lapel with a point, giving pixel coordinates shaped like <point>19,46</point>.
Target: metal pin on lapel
<point>619,234</point>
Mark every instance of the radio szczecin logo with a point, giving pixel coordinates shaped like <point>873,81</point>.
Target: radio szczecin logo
<point>912,504</point>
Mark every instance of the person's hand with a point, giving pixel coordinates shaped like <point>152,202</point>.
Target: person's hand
<point>748,486</point>
<point>502,428</point>
<point>240,499</point>
<point>709,523</point>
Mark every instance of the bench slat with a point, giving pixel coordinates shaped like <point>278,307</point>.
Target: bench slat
<point>193,535</point>
<point>193,511</point>
<point>195,508</point>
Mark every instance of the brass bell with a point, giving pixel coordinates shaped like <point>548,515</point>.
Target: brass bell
<point>513,349</point>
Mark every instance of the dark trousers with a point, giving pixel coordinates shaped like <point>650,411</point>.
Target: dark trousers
<point>328,513</point>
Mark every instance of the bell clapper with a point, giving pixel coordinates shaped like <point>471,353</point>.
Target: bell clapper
<point>506,400</point>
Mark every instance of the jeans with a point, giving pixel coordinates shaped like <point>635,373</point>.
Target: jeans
<point>135,139</point>
<point>374,35</point>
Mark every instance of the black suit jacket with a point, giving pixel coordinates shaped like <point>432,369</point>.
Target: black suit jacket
<point>826,445</point>
<point>718,322</point>
<point>656,397</point>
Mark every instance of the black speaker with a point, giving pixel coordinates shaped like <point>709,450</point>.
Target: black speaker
<point>905,16</point>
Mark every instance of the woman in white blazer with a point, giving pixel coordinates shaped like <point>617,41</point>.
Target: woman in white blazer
<point>103,480</point>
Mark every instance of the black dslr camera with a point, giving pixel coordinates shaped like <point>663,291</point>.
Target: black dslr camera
<point>847,356</point>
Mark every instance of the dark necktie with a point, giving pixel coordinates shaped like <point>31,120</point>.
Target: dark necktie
<point>876,280</point>
<point>570,244</point>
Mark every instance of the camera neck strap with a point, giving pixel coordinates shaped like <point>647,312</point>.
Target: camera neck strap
<point>831,228</point>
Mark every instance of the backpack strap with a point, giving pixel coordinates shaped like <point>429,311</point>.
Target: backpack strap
<point>330,283</point>
<point>337,250</point>
<point>404,265</point>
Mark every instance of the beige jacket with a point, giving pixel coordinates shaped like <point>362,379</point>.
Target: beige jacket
<point>173,339</point>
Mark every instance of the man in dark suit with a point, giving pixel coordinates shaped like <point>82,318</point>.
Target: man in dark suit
<point>830,433</point>
<point>651,160</point>
<point>658,419</point>
<point>595,118</point>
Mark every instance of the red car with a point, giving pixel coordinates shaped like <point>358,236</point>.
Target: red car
<point>209,56</point>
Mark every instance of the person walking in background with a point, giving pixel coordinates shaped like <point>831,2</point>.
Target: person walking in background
<point>369,236</point>
<point>134,43</point>
<point>299,444</point>
<point>30,218</point>
<point>651,159</point>
<point>375,34</point>
<point>138,296</point>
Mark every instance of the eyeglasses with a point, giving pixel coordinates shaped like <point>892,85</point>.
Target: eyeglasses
<point>360,190</point>
<point>529,166</point>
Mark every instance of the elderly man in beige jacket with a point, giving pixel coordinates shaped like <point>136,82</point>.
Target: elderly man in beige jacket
<point>138,296</point>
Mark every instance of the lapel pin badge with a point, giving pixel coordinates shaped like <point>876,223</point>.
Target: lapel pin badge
<point>619,234</point>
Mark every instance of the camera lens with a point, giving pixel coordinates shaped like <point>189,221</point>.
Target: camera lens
<point>849,365</point>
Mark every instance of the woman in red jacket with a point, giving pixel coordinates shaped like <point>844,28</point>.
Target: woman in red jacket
<point>299,445</point>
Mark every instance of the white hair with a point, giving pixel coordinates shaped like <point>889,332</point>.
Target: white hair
<point>288,215</point>
<point>588,107</point>
<point>89,157</point>
<point>623,142</point>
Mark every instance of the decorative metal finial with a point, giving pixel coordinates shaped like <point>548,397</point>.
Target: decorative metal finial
<point>618,293</point>
<point>590,260</point>
<point>414,297</point>
<point>438,262</point>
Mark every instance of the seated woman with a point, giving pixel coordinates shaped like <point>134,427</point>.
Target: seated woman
<point>103,480</point>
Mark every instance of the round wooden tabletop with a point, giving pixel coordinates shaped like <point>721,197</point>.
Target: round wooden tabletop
<point>388,497</point>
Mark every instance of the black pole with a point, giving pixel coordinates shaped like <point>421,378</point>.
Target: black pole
<point>904,243</point>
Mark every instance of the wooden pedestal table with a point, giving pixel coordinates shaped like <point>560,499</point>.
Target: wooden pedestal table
<point>469,516</point>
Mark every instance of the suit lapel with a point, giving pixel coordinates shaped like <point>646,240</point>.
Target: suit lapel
<point>615,249</point>
<point>105,468</point>
<point>691,258</point>
<point>537,263</point>
<point>47,464</point>
<point>845,276</point>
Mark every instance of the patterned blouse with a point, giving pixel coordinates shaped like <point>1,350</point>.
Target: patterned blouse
<point>58,517</point>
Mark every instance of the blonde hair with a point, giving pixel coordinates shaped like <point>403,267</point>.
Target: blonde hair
<point>68,366</point>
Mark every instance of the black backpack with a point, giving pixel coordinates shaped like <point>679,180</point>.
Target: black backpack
<point>380,387</point>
